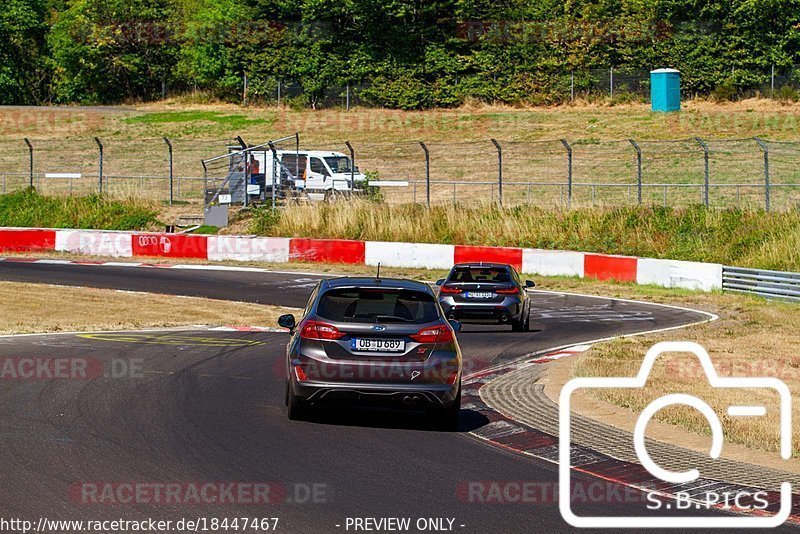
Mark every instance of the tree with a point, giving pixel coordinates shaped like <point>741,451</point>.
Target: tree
<point>111,50</point>
<point>22,32</point>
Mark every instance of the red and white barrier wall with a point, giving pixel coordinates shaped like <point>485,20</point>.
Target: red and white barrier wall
<point>666,273</point>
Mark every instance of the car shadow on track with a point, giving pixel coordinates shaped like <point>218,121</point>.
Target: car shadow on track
<point>469,420</point>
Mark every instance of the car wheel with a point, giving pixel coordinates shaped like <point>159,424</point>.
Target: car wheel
<point>295,408</point>
<point>518,325</point>
<point>527,325</point>
<point>447,418</point>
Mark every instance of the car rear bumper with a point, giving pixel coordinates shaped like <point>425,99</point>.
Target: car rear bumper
<point>508,309</point>
<point>414,395</point>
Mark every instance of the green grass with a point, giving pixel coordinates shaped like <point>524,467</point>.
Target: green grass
<point>732,236</point>
<point>28,208</point>
<point>228,121</point>
<point>206,230</point>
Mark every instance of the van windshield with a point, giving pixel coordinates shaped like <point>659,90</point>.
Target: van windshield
<point>376,305</point>
<point>339,164</point>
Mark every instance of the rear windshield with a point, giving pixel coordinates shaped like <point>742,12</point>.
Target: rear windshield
<point>497,275</point>
<point>375,305</point>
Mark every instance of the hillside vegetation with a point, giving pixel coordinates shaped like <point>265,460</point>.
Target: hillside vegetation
<point>732,236</point>
<point>411,54</point>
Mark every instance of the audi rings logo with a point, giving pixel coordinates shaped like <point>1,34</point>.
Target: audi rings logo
<point>162,242</point>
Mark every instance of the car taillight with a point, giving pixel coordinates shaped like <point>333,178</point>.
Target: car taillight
<point>450,290</point>
<point>434,334</point>
<point>507,291</point>
<point>318,330</point>
<point>301,375</point>
<point>452,378</point>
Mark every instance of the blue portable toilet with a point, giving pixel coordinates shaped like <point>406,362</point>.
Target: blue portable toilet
<point>665,90</point>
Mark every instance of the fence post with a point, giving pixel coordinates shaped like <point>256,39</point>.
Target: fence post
<point>499,171</point>
<point>765,149</point>
<point>100,146</point>
<point>348,97</point>
<point>171,189</point>
<point>206,201</point>
<point>279,93</point>
<point>352,165</point>
<point>427,174</point>
<point>30,161</point>
<point>244,90</point>
<point>772,81</point>
<point>569,172</point>
<point>572,86</point>
<point>638,168</point>
<point>611,82</point>
<point>707,185</point>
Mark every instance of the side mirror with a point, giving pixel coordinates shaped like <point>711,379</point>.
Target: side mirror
<point>455,324</point>
<point>440,281</point>
<point>530,283</point>
<point>287,321</point>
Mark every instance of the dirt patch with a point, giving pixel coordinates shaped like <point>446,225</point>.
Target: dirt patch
<point>34,308</point>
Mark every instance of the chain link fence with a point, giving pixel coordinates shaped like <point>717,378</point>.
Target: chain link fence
<point>781,82</point>
<point>748,173</point>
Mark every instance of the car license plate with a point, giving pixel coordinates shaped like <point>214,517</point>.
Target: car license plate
<point>377,345</point>
<point>479,294</point>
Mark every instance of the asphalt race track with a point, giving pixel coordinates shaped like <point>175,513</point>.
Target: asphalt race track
<point>199,406</point>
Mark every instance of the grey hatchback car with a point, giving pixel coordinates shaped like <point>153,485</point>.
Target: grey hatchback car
<point>488,293</point>
<point>370,340</point>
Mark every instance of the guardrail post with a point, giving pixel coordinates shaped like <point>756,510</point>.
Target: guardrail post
<point>638,168</point>
<point>100,146</point>
<point>499,171</point>
<point>707,183</point>
<point>30,161</point>
<point>427,174</point>
<point>352,166</point>
<point>569,172</point>
<point>171,188</point>
<point>765,149</point>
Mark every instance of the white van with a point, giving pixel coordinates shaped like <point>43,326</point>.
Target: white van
<point>311,170</point>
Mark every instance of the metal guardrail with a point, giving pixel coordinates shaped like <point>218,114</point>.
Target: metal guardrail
<point>770,284</point>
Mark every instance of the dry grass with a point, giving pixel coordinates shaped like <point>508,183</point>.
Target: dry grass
<point>752,338</point>
<point>386,141</point>
<point>47,308</point>
<point>472,122</point>
<point>733,237</point>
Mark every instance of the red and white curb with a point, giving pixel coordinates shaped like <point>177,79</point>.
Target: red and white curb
<point>661,272</point>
